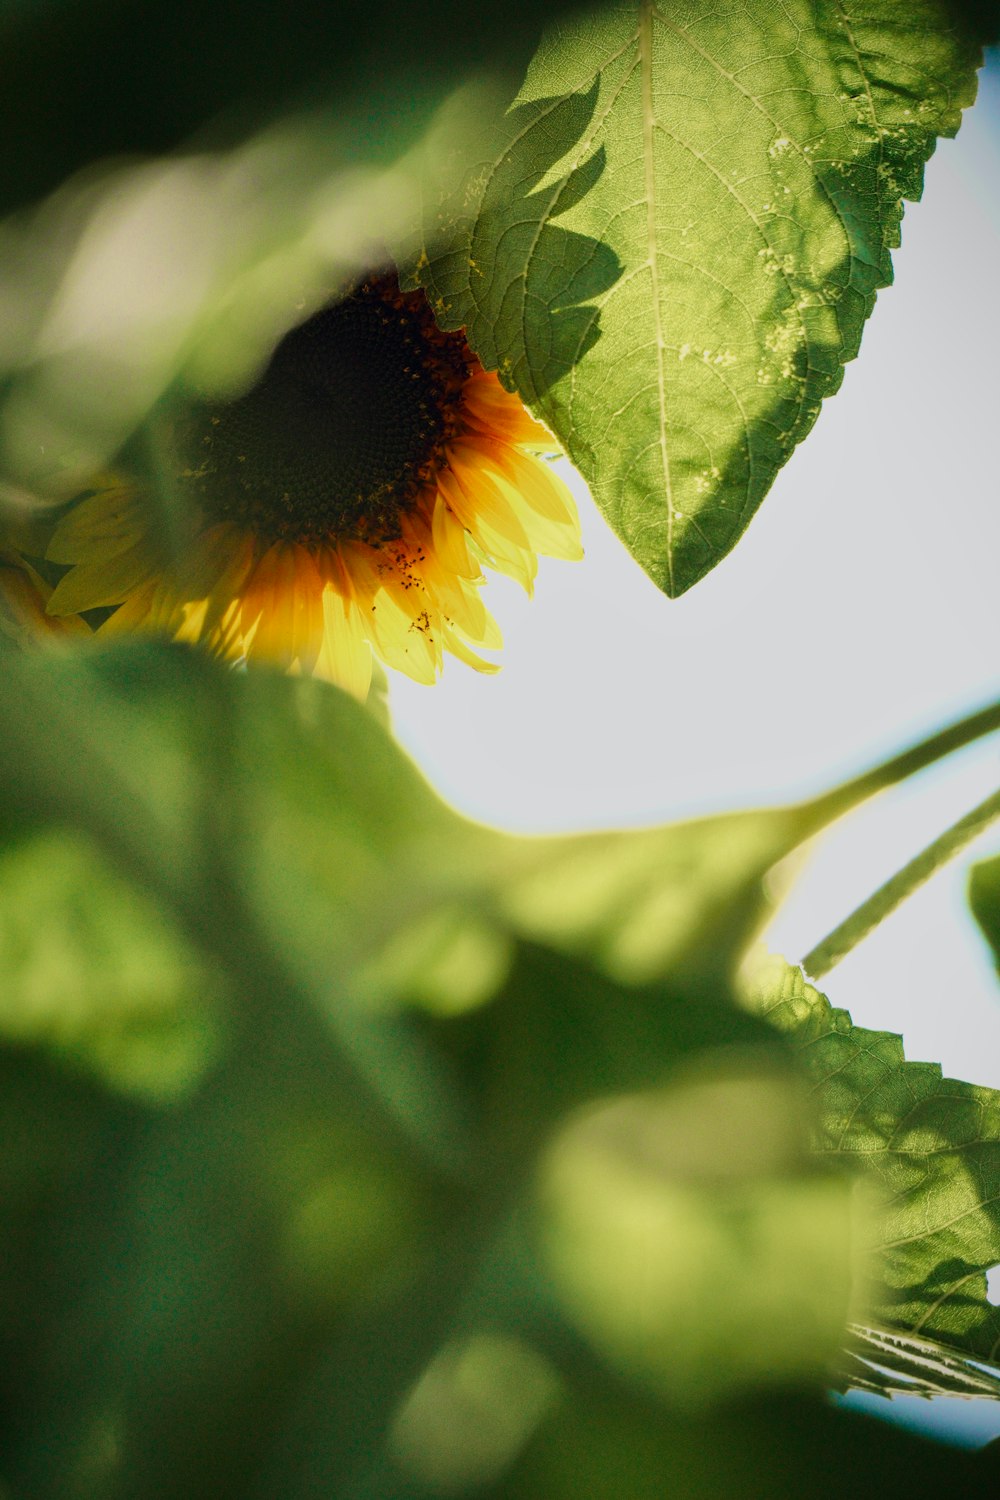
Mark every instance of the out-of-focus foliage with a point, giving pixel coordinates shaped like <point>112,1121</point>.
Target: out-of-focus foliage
<point>343,854</point>
<point>673,242</point>
<point>693,1240</point>
<point>605,1446</point>
<point>91,970</point>
<point>141,278</point>
<point>930,1146</point>
<point>423,1205</point>
<point>85,79</point>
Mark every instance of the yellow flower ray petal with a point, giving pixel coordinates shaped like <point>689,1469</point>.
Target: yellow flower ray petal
<point>464,653</point>
<point>104,583</point>
<point>495,410</point>
<point>345,657</point>
<point>113,515</point>
<point>502,554</point>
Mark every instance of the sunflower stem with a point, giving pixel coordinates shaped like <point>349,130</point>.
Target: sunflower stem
<point>918,757</point>
<point>846,936</point>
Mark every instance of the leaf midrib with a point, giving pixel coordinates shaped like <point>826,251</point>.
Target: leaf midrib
<point>646,8</point>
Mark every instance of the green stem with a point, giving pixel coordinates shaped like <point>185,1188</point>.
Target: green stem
<point>821,959</point>
<point>844,798</point>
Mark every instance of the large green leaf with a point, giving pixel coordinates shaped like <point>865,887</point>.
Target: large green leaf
<point>171,1275</point>
<point>285,807</point>
<point>231,1297</point>
<point>264,811</point>
<point>672,247</point>
<point>931,1147</point>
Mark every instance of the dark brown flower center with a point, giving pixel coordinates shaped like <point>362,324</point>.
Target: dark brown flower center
<point>343,430</point>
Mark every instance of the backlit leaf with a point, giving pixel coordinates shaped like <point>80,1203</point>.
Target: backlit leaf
<point>673,246</point>
<point>930,1145</point>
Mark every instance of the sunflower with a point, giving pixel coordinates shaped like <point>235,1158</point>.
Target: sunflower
<point>347,504</point>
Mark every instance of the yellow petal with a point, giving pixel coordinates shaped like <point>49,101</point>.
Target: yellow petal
<point>346,656</point>
<point>458,648</point>
<point>108,521</point>
<point>94,585</point>
<point>545,505</point>
<point>269,609</point>
<point>399,618</point>
<point>498,411</point>
<point>23,594</point>
<point>448,541</point>
<point>133,614</point>
<point>475,514</point>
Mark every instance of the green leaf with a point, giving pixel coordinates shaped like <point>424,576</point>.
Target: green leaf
<point>239,1290</point>
<point>897,1364</point>
<point>984,899</point>
<point>185,1268</point>
<point>671,249</point>
<point>288,799</point>
<point>92,972</point>
<point>692,1240</point>
<point>257,810</point>
<point>684,897</point>
<point>929,1145</point>
<point>274,821</point>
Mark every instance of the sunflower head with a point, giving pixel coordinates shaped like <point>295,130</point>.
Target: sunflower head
<point>348,503</point>
<point>342,433</point>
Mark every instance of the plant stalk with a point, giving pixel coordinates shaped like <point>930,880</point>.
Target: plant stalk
<point>837,944</point>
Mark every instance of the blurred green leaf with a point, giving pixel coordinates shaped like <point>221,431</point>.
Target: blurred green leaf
<point>274,820</point>
<point>655,900</point>
<point>191,1264</point>
<point>558,1040</point>
<point>90,970</point>
<point>929,1145</point>
<point>234,1295</point>
<point>605,1444</point>
<point>691,1238</point>
<point>81,81</point>
<point>672,248</point>
<point>471,1412</point>
<point>259,810</point>
<point>984,899</point>
<point>263,811</point>
<point>58,1134</point>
